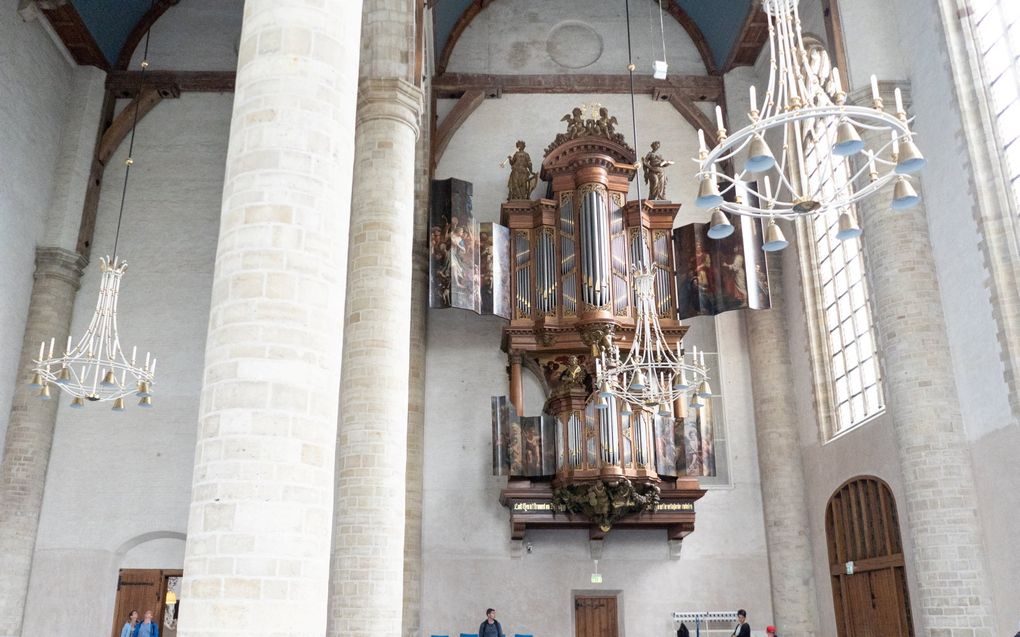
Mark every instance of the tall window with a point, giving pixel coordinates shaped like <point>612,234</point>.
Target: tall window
<point>997,35</point>
<point>847,343</point>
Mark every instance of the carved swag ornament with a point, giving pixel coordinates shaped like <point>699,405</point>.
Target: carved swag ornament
<point>606,501</point>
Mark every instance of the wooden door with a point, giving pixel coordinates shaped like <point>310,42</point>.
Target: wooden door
<point>137,589</point>
<point>595,616</point>
<point>141,590</point>
<point>863,535</point>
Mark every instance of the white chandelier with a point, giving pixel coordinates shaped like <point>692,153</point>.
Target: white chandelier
<point>653,376</point>
<point>796,101</point>
<point>95,368</point>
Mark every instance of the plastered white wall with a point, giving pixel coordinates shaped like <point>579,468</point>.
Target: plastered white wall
<point>194,36</point>
<point>583,36</point>
<point>35,86</point>
<point>117,477</point>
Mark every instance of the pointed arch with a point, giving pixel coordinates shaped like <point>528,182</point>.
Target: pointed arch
<point>671,7</point>
<point>138,31</point>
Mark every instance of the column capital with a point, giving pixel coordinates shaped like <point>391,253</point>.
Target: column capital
<point>58,263</point>
<point>390,98</point>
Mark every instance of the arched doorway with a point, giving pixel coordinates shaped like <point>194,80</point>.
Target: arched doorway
<point>869,582</point>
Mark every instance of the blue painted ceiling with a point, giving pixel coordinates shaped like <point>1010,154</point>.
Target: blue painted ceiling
<point>719,20</point>
<point>111,21</point>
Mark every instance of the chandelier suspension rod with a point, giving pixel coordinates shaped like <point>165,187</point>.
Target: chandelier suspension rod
<point>633,116</point>
<point>131,144</point>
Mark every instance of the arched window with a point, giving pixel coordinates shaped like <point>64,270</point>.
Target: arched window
<point>845,352</point>
<point>997,37</point>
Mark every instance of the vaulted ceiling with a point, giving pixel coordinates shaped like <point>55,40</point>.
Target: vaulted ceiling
<point>718,27</point>
<point>726,31</point>
<point>111,22</point>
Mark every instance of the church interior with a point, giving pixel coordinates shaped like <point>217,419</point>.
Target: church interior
<point>362,317</point>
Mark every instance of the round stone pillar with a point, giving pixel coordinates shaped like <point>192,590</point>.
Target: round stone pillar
<point>921,398</point>
<point>368,543</point>
<point>29,436</point>
<point>784,498</point>
<point>416,392</point>
<point>257,555</point>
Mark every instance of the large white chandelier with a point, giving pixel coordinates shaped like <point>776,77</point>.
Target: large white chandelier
<point>95,368</point>
<point>795,101</point>
<point>653,376</point>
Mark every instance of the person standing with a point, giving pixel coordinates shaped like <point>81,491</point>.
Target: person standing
<point>490,627</point>
<point>147,628</point>
<point>743,629</point>
<point>129,625</point>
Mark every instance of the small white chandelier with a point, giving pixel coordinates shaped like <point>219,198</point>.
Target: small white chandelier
<point>653,376</point>
<point>96,369</point>
<point>795,101</point>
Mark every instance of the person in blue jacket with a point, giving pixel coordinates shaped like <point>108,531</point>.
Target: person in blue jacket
<point>147,628</point>
<point>129,625</point>
<point>490,627</point>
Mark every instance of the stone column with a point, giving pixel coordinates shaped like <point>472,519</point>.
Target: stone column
<point>368,540</point>
<point>29,436</point>
<point>784,497</point>
<point>257,555</point>
<point>368,544</point>
<point>921,400</point>
<point>416,390</point>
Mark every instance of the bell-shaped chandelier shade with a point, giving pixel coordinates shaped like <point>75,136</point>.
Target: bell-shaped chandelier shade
<point>654,374</point>
<point>805,117</point>
<point>96,368</point>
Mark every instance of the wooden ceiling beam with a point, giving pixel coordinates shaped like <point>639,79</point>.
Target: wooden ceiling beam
<point>466,105</point>
<point>140,106</point>
<point>69,26</point>
<point>125,84</point>
<point>698,88</point>
<point>753,35</point>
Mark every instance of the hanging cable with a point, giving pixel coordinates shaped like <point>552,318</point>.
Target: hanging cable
<point>134,124</point>
<point>662,32</point>
<point>633,118</point>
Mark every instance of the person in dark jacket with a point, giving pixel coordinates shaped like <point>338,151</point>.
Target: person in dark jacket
<point>490,627</point>
<point>743,629</point>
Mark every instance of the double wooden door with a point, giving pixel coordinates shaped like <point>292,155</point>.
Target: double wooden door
<point>596,616</point>
<point>869,585</point>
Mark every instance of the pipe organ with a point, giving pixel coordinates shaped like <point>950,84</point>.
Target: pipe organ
<point>571,258</point>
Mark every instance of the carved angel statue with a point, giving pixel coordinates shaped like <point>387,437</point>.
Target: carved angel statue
<point>575,123</point>
<point>606,124</point>
<point>655,175</point>
<point>522,178</point>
